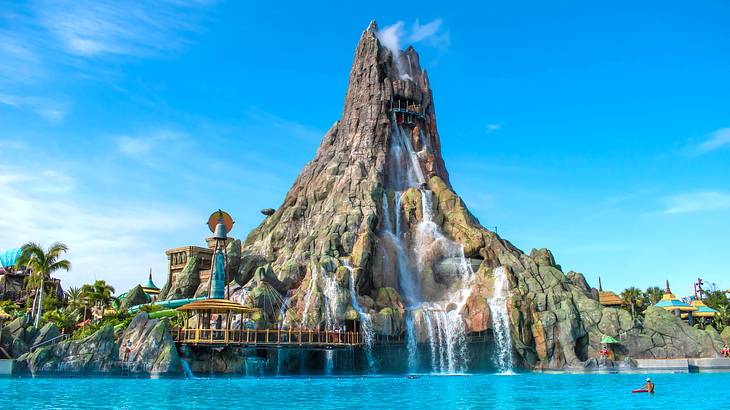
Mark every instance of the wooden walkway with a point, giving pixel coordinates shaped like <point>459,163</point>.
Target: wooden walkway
<point>271,338</point>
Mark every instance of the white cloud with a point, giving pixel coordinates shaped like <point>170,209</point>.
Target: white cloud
<point>697,202</point>
<point>116,241</point>
<point>144,144</point>
<point>89,28</point>
<point>715,140</point>
<point>430,34</point>
<point>53,111</point>
<point>493,127</point>
<point>421,32</point>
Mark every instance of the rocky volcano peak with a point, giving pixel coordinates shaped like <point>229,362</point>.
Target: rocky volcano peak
<point>371,230</point>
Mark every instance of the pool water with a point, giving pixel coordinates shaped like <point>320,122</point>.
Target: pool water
<point>522,391</point>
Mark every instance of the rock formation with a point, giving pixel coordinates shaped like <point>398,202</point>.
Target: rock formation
<point>375,208</point>
<point>153,351</point>
<point>135,296</point>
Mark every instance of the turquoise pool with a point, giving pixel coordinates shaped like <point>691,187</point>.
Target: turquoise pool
<point>523,391</point>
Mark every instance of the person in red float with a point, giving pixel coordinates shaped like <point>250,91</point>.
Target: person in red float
<point>647,388</point>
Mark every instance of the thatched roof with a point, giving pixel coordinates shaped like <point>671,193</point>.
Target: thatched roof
<point>609,299</point>
<point>217,305</point>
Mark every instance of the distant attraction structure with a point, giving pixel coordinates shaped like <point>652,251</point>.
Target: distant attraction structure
<point>150,289</point>
<point>608,298</point>
<point>220,223</point>
<point>673,304</point>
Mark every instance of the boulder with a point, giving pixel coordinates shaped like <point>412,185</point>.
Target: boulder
<point>153,350</point>
<point>48,332</point>
<point>135,296</point>
<point>388,298</point>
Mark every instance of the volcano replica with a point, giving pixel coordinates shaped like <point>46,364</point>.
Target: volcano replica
<point>372,231</point>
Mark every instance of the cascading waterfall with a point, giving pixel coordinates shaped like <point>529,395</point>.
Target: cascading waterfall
<point>331,297</point>
<point>366,323</point>
<point>187,370</point>
<point>411,342</point>
<point>444,325</point>
<point>282,312</point>
<point>500,322</point>
<point>308,296</point>
<point>329,361</point>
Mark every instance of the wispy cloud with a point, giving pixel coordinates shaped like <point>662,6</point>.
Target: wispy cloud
<point>143,144</point>
<point>715,140</point>
<point>118,241</point>
<point>696,202</point>
<point>493,128</point>
<point>90,28</point>
<point>52,110</point>
<point>20,61</point>
<point>7,144</point>
<point>430,34</point>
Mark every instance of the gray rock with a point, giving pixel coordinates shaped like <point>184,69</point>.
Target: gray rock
<point>153,350</point>
<point>135,296</point>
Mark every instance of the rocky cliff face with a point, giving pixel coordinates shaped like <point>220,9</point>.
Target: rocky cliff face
<point>153,351</point>
<point>372,229</point>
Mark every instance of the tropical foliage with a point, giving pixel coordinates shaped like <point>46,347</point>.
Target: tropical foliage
<point>633,300</point>
<point>98,294</point>
<point>64,318</point>
<point>42,264</point>
<point>70,313</point>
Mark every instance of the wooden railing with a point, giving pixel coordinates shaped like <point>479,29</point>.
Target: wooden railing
<point>267,337</point>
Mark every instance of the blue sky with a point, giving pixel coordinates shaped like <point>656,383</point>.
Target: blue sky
<point>600,131</point>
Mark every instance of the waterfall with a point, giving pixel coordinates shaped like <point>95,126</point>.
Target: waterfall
<point>331,297</point>
<point>308,297</point>
<point>500,322</point>
<point>366,323</point>
<point>282,312</point>
<point>432,335</point>
<point>441,318</point>
<point>411,343</point>
<point>187,370</point>
<point>329,361</point>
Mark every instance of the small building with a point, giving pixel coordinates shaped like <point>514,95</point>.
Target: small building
<point>673,304</point>
<point>150,289</point>
<point>608,298</point>
<point>12,281</point>
<point>214,322</point>
<point>177,259</point>
<point>703,311</point>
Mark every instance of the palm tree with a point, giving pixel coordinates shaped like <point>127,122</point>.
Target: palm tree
<point>654,294</point>
<point>98,294</point>
<point>42,264</point>
<point>632,297</point>
<point>722,318</point>
<point>73,297</point>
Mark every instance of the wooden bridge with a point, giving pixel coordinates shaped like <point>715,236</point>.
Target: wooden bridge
<point>272,338</point>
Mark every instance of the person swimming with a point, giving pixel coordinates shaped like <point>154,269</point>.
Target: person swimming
<point>649,386</point>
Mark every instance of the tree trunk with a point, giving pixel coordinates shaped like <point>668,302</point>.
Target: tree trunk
<point>40,305</point>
